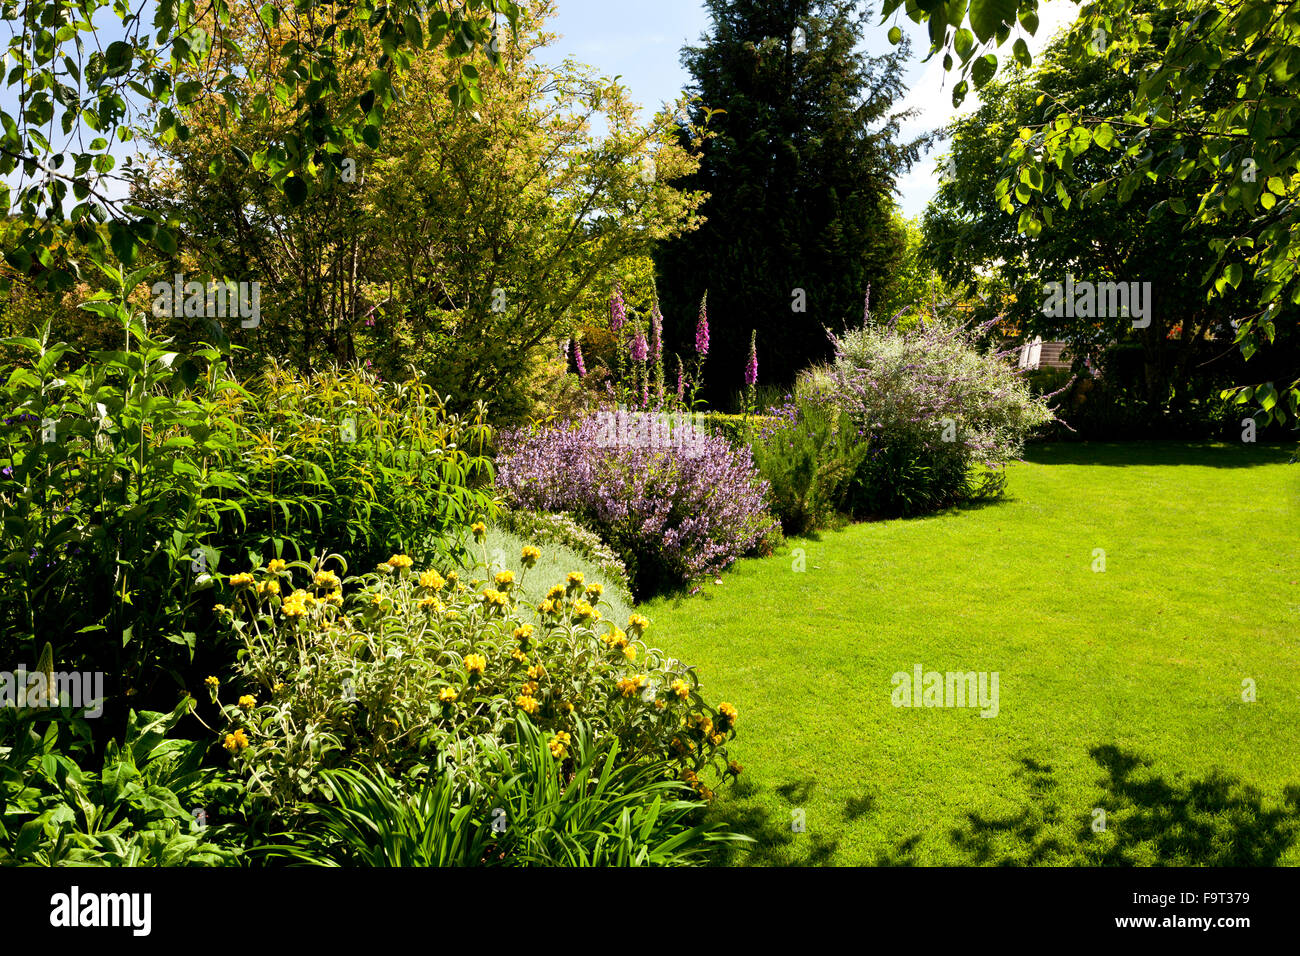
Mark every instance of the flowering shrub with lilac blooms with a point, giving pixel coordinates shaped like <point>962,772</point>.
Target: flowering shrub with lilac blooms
<point>673,508</point>
<point>944,415</point>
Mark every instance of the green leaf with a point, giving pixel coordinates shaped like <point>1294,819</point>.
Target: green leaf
<point>295,190</point>
<point>988,16</point>
<point>895,36</point>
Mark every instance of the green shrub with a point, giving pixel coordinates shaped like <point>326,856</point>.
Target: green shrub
<point>415,666</point>
<point>129,481</point>
<point>808,452</point>
<point>944,414</point>
<point>145,806</point>
<point>541,527</point>
<point>734,428</point>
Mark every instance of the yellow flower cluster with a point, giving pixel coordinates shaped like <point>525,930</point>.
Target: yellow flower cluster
<point>268,587</point>
<point>559,745</point>
<point>528,557</point>
<point>447,695</point>
<point>295,605</point>
<point>326,579</point>
<point>479,529</point>
<point>536,672</point>
<point>582,611</point>
<point>239,580</point>
<point>628,686</point>
<point>236,741</point>
<point>504,579</point>
<point>212,682</point>
<point>275,565</point>
<point>399,562</point>
<point>703,724</point>
<point>726,715</point>
<point>616,640</point>
<point>595,590</point>
<point>692,778</point>
<point>637,624</point>
<point>248,702</point>
<point>431,580</point>
<point>475,664</point>
<point>680,688</point>
<point>528,705</point>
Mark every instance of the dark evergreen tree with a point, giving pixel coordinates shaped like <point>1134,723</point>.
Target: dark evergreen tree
<point>801,177</point>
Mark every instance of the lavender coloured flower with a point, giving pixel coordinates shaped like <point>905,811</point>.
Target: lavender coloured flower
<point>688,505</point>
<point>702,328</point>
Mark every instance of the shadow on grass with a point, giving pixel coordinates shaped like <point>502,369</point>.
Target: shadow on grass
<point>1150,819</point>
<point>779,843</point>
<point>1143,818</point>
<point>1117,454</point>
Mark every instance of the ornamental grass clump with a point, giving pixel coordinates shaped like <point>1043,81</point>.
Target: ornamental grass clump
<point>673,510</point>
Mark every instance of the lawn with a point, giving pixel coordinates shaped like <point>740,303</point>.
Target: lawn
<point>1119,691</point>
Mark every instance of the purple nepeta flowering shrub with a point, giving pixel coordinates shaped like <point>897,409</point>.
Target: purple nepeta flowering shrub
<point>674,507</point>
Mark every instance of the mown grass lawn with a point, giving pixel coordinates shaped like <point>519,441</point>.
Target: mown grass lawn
<point>1120,691</point>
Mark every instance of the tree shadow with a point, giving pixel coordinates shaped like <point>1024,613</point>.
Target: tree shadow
<point>778,842</point>
<point>1213,821</point>
<point>1141,817</point>
<point>1119,454</point>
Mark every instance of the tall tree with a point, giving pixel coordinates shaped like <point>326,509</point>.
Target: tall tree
<point>1184,336</point>
<point>1213,108</point>
<point>800,171</point>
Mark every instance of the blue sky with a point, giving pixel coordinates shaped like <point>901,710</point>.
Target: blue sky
<point>641,40</point>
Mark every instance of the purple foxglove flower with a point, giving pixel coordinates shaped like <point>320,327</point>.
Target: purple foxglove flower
<point>702,328</point>
<point>638,349</point>
<point>751,370</point>
<point>577,358</point>
<point>617,311</point>
<point>656,331</point>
